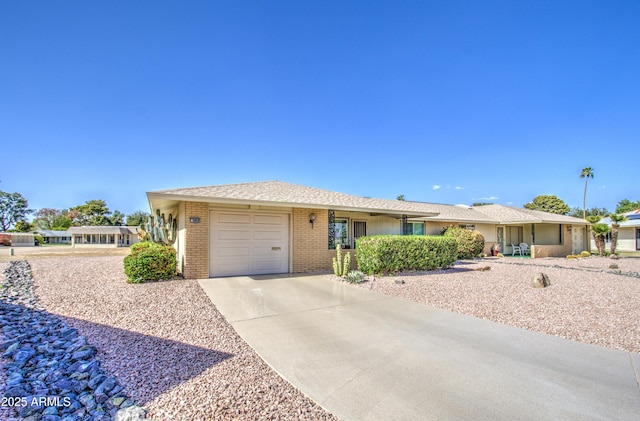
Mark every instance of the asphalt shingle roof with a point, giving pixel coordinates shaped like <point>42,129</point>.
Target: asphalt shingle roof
<point>51,233</point>
<point>281,193</point>
<point>103,230</point>
<point>278,193</point>
<point>507,214</point>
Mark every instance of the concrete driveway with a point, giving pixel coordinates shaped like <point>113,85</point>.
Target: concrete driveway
<point>366,356</point>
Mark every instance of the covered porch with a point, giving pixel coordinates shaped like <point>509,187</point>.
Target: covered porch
<point>103,236</point>
<point>542,240</point>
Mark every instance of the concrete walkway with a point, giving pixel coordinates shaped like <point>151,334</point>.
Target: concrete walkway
<point>366,356</point>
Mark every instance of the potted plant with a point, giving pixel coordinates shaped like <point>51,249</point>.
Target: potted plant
<point>495,249</point>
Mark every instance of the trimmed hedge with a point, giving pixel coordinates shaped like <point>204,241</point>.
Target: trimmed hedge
<point>150,262</point>
<point>470,243</point>
<point>392,253</point>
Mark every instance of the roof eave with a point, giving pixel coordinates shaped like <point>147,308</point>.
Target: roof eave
<point>220,200</point>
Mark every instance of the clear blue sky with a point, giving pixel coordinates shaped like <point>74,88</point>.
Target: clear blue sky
<point>442,101</point>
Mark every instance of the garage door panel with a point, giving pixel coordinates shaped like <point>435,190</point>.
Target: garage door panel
<point>230,267</point>
<point>234,251</point>
<point>233,218</point>
<point>233,234</point>
<point>269,235</point>
<point>269,219</point>
<point>248,243</point>
<point>274,252</point>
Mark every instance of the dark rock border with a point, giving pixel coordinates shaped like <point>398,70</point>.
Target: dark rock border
<point>52,373</point>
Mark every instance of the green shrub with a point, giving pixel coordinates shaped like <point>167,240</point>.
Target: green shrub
<point>585,254</point>
<point>355,277</point>
<point>38,239</point>
<point>150,262</point>
<point>143,245</point>
<point>470,243</point>
<point>392,253</point>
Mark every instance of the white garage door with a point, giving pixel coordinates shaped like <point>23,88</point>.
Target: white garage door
<point>248,243</point>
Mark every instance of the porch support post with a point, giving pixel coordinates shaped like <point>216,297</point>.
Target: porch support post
<point>404,225</point>
<point>533,241</point>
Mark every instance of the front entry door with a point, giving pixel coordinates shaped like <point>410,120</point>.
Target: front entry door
<point>637,238</point>
<point>577,237</point>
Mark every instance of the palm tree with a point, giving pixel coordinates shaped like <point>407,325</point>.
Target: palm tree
<point>615,224</point>
<point>600,231</point>
<point>586,173</point>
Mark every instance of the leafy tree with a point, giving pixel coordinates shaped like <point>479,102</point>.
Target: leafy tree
<point>44,218</point>
<point>23,226</point>
<point>626,205</point>
<point>116,218</point>
<point>62,221</point>
<point>586,174</point>
<point>93,212</point>
<point>52,219</point>
<point>615,224</point>
<point>547,203</point>
<point>579,213</point>
<point>401,197</point>
<point>13,208</point>
<point>139,218</point>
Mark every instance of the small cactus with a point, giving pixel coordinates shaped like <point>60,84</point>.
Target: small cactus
<point>341,267</point>
<point>160,231</point>
<point>337,261</point>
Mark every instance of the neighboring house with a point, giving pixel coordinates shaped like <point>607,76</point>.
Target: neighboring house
<point>17,239</point>
<point>628,232</point>
<point>277,227</point>
<point>54,237</point>
<point>103,236</point>
<point>547,234</point>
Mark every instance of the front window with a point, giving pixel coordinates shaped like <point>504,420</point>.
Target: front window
<point>415,228</point>
<point>340,231</point>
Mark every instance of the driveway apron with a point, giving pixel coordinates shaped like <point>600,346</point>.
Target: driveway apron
<point>366,356</point>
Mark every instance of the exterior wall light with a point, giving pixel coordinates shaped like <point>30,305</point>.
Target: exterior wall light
<point>312,219</point>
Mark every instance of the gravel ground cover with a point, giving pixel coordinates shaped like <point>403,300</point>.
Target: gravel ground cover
<point>51,371</point>
<point>177,356</point>
<point>587,301</point>
<point>165,342</point>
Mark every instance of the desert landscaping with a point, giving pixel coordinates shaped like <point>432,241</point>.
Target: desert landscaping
<point>175,355</point>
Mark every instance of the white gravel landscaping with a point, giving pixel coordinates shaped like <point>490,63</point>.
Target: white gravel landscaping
<point>167,344</point>
<point>176,355</point>
<point>585,302</point>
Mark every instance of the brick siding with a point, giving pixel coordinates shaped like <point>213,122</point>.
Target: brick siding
<point>196,259</point>
<point>310,242</point>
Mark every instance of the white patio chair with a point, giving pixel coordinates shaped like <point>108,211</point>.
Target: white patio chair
<point>524,248</point>
<point>516,249</point>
